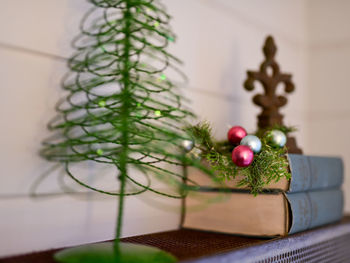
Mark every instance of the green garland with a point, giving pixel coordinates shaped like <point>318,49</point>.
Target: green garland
<point>269,165</point>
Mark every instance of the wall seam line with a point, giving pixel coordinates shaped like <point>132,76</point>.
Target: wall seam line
<point>30,51</point>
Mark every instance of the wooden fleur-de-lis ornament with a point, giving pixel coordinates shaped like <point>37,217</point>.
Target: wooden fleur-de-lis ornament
<point>270,77</point>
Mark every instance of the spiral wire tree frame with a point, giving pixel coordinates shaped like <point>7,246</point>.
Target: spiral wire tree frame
<point>122,108</point>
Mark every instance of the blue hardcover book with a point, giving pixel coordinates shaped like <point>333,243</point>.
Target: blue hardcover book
<point>268,214</point>
<point>308,173</point>
<point>314,172</point>
<point>314,208</point>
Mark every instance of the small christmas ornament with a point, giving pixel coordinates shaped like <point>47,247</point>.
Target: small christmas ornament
<point>276,138</point>
<point>242,155</point>
<point>187,145</point>
<point>253,142</point>
<point>236,134</point>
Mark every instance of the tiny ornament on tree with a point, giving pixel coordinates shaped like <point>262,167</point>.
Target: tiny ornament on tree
<point>242,155</point>
<point>276,138</point>
<point>253,142</point>
<point>187,145</point>
<point>236,134</point>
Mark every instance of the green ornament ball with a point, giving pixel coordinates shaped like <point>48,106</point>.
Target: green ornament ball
<point>277,138</point>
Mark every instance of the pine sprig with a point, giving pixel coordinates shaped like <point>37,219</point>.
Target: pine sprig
<point>269,165</point>
<point>202,132</point>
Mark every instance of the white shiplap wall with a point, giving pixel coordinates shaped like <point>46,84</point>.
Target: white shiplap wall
<point>218,41</point>
<point>329,88</point>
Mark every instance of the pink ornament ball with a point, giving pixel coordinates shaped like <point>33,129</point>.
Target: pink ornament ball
<point>242,156</point>
<point>236,134</point>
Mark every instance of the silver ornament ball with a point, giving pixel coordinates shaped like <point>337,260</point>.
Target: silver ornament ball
<point>252,142</point>
<point>187,145</point>
<point>277,138</point>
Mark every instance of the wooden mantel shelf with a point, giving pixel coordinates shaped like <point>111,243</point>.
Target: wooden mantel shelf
<point>330,242</point>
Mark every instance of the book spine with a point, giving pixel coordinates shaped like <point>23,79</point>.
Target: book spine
<point>315,208</point>
<point>314,172</point>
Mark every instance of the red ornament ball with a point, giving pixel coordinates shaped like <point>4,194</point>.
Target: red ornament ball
<point>242,156</point>
<point>236,134</point>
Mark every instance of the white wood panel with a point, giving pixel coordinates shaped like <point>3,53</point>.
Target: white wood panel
<point>30,88</point>
<point>48,25</point>
<point>329,71</point>
<point>36,224</point>
<point>217,46</point>
<point>328,23</point>
<point>329,56</point>
<point>286,19</point>
<point>44,25</point>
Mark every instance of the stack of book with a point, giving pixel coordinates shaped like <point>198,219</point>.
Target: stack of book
<point>311,198</point>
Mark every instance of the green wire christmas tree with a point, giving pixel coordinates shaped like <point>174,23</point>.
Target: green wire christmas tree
<point>122,110</point>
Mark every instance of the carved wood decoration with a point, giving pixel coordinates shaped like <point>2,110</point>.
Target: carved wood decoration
<point>270,77</point>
